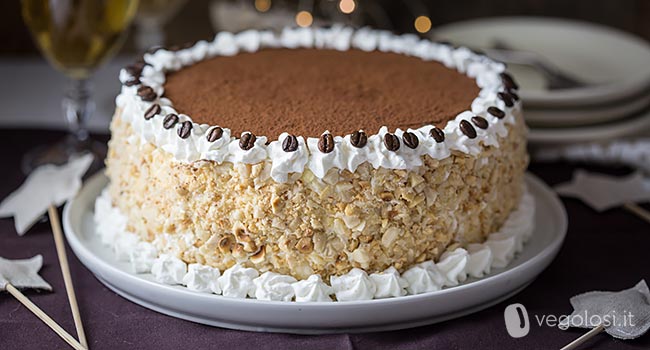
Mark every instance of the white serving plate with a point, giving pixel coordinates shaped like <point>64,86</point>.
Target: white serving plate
<point>321,317</point>
<point>617,63</point>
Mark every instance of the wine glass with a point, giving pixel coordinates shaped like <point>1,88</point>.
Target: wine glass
<point>76,37</point>
<point>150,19</point>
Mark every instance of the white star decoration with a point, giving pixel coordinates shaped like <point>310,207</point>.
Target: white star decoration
<point>45,186</point>
<point>602,192</point>
<point>22,273</point>
<point>628,310</point>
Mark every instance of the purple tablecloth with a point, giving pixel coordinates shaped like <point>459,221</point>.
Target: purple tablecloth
<point>602,251</point>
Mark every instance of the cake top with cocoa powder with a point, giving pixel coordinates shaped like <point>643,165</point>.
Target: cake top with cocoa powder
<point>307,91</point>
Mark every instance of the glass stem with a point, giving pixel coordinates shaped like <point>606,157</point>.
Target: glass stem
<point>148,35</point>
<point>78,106</point>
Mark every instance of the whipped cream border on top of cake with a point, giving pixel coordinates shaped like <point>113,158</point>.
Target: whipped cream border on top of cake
<point>156,121</point>
<point>160,258</point>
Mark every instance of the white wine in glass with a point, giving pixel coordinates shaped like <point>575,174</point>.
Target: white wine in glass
<point>76,37</point>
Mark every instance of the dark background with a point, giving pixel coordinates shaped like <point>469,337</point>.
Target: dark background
<point>193,23</point>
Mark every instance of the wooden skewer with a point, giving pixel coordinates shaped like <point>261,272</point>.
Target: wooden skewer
<point>44,317</point>
<point>65,270</point>
<point>638,211</point>
<point>583,338</point>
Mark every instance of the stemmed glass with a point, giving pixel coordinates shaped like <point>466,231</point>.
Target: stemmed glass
<point>150,19</point>
<point>76,37</point>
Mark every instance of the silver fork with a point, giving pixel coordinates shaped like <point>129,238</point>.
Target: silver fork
<point>555,77</point>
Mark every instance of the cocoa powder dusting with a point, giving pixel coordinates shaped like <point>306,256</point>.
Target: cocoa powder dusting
<point>307,91</point>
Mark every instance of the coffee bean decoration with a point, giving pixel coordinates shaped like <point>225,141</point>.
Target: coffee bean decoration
<point>391,142</point>
<point>146,93</point>
<point>152,111</point>
<point>143,90</point>
<point>506,98</point>
<point>467,129</point>
<point>247,141</point>
<point>508,81</point>
<point>134,69</point>
<point>326,143</point>
<point>290,144</point>
<point>495,111</point>
<point>410,140</point>
<point>214,134</point>
<point>170,121</point>
<point>132,82</point>
<point>480,122</point>
<point>185,129</point>
<point>437,134</point>
<point>358,139</point>
<point>513,95</point>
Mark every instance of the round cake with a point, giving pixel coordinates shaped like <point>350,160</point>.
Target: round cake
<point>326,154</point>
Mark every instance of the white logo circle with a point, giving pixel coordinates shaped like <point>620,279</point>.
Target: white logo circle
<point>517,322</point>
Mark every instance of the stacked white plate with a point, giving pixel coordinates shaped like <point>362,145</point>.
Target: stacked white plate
<point>614,102</point>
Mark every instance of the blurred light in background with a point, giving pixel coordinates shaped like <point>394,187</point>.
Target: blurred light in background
<point>347,6</point>
<point>422,24</point>
<point>262,5</point>
<point>304,19</point>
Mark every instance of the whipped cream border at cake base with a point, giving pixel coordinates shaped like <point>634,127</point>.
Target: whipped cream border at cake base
<point>193,145</point>
<point>454,266</point>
